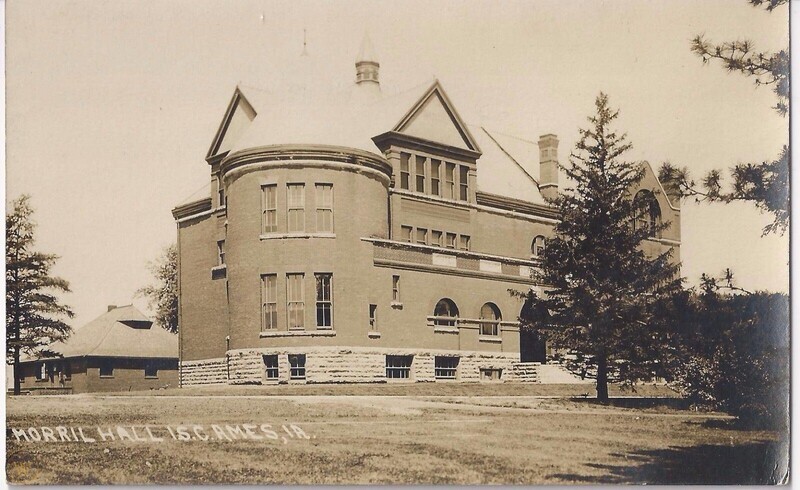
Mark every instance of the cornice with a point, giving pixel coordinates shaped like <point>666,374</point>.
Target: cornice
<point>384,140</point>
<point>195,207</point>
<point>516,205</point>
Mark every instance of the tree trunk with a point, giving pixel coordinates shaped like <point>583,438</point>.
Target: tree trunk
<point>602,380</point>
<point>16,370</point>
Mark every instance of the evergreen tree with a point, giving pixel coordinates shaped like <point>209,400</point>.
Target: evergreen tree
<point>163,295</point>
<point>34,316</point>
<point>600,287</point>
<point>764,184</point>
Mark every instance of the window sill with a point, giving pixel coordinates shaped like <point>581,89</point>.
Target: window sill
<point>396,305</point>
<point>443,329</point>
<point>151,377</point>
<point>374,335</point>
<point>106,377</point>
<point>490,338</point>
<point>298,333</point>
<point>286,236</point>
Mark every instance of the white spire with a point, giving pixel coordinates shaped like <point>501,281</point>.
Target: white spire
<point>367,52</point>
<point>367,65</point>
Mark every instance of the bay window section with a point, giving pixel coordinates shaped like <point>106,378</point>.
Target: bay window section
<point>295,305</point>
<point>324,301</point>
<point>324,201</point>
<point>296,203</point>
<point>269,302</point>
<point>269,208</point>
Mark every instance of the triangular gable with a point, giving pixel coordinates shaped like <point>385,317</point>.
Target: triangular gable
<point>238,116</point>
<point>434,118</point>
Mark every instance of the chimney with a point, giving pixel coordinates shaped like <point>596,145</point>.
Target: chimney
<point>112,307</point>
<point>548,166</point>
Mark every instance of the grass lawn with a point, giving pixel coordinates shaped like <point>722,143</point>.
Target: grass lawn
<point>382,434</point>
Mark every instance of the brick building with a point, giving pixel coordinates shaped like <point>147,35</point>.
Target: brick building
<point>120,350</point>
<point>358,237</point>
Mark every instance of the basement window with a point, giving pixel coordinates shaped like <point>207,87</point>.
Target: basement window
<point>271,368</point>
<point>445,367</point>
<point>398,367</point>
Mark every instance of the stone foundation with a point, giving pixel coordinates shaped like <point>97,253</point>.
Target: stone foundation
<point>352,365</point>
<point>203,372</point>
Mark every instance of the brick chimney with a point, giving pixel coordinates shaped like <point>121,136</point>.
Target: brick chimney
<point>548,165</point>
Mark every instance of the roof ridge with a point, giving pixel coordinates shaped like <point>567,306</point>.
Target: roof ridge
<point>509,156</point>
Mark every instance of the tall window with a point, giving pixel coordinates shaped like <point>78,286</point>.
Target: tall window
<point>221,252</point>
<point>295,304</point>
<point>271,368</point>
<point>269,302</point>
<point>420,173</point>
<point>297,366</point>
<point>449,181</point>
<point>269,206</point>
<point>445,313</point>
<point>422,236</point>
<point>396,289</point>
<point>450,240</point>
<point>398,367</point>
<point>221,192</point>
<point>463,242</point>
<point>324,300</point>
<point>436,238</point>
<point>296,204</point>
<point>324,200</point>
<point>537,246</point>
<point>463,182</point>
<point>490,319</point>
<point>405,173</point>
<point>406,233</point>
<point>436,168</point>
<point>373,317</point>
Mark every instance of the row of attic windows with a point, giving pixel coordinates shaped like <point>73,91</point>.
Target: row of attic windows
<point>434,177</point>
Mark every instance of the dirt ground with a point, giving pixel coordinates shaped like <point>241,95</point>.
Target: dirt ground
<point>387,434</point>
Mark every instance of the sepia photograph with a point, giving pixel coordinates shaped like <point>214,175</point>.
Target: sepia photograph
<point>517,242</point>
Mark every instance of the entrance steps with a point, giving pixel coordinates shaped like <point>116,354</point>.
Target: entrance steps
<point>526,372</point>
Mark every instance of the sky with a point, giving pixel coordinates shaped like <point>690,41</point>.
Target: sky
<point>112,105</point>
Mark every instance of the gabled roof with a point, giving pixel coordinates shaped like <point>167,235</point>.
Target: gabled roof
<point>237,119</point>
<point>121,332</point>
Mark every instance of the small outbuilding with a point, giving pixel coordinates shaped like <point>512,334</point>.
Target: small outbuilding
<point>119,351</point>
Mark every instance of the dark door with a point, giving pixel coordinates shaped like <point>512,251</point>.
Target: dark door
<point>532,347</point>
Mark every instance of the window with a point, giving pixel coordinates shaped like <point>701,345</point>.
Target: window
<point>398,367</point>
<point>537,246</point>
<point>324,300</point>
<point>269,302</point>
<point>490,319</point>
<point>436,166</point>
<point>296,204</point>
<point>422,236</point>
<point>269,206</point>
<point>405,174</point>
<point>406,233</point>
<point>463,182</point>
<point>445,313</point>
<point>221,192</point>
<point>324,198</point>
<point>491,374</point>
<point>297,366</point>
<point>41,372</point>
<point>396,289</point>
<point>449,180</point>
<point>106,368</point>
<point>647,212</point>
<point>150,370</point>
<point>221,252</point>
<point>445,367</point>
<point>420,173</point>
<point>436,238</point>
<point>450,240</point>
<point>463,242</point>
<point>271,368</point>
<point>373,317</point>
<point>295,305</point>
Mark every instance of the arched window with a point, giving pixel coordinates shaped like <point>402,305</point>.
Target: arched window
<point>490,319</point>
<point>647,212</point>
<point>445,313</point>
<point>537,246</point>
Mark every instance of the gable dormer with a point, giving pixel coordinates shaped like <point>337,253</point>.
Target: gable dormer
<point>237,119</point>
<point>431,149</point>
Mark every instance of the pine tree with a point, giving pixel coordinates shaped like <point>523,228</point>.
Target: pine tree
<point>33,312</point>
<point>163,295</point>
<point>600,287</point>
